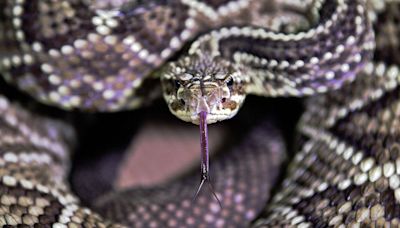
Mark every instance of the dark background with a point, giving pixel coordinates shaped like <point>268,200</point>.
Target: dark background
<point>103,138</point>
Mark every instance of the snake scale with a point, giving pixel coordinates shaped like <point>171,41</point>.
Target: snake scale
<point>110,56</point>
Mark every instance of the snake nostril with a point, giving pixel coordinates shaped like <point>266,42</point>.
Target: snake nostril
<point>223,100</point>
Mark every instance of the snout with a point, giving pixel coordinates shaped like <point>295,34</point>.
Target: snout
<point>211,98</point>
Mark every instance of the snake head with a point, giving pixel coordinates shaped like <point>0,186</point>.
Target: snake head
<point>201,82</point>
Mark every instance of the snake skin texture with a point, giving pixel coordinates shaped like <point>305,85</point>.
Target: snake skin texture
<point>239,186</point>
<point>34,161</point>
<point>346,173</point>
<point>34,191</point>
<point>77,55</point>
<point>231,62</point>
<point>92,57</point>
<point>83,54</point>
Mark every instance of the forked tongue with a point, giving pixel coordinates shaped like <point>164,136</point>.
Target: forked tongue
<point>205,162</point>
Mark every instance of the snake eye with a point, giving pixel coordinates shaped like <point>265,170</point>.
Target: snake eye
<point>177,84</point>
<point>230,82</point>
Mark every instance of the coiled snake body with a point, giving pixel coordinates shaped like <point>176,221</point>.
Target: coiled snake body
<point>84,54</point>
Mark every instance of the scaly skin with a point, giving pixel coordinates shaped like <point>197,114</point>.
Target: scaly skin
<point>345,172</point>
<point>225,65</point>
<point>34,163</point>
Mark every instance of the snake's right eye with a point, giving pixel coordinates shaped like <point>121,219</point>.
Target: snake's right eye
<point>177,84</point>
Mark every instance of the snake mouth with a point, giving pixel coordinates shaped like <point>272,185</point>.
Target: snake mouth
<point>223,110</point>
<point>212,117</point>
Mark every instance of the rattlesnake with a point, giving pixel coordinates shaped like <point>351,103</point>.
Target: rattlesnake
<point>105,57</point>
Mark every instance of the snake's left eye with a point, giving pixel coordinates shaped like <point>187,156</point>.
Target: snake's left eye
<point>230,82</point>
